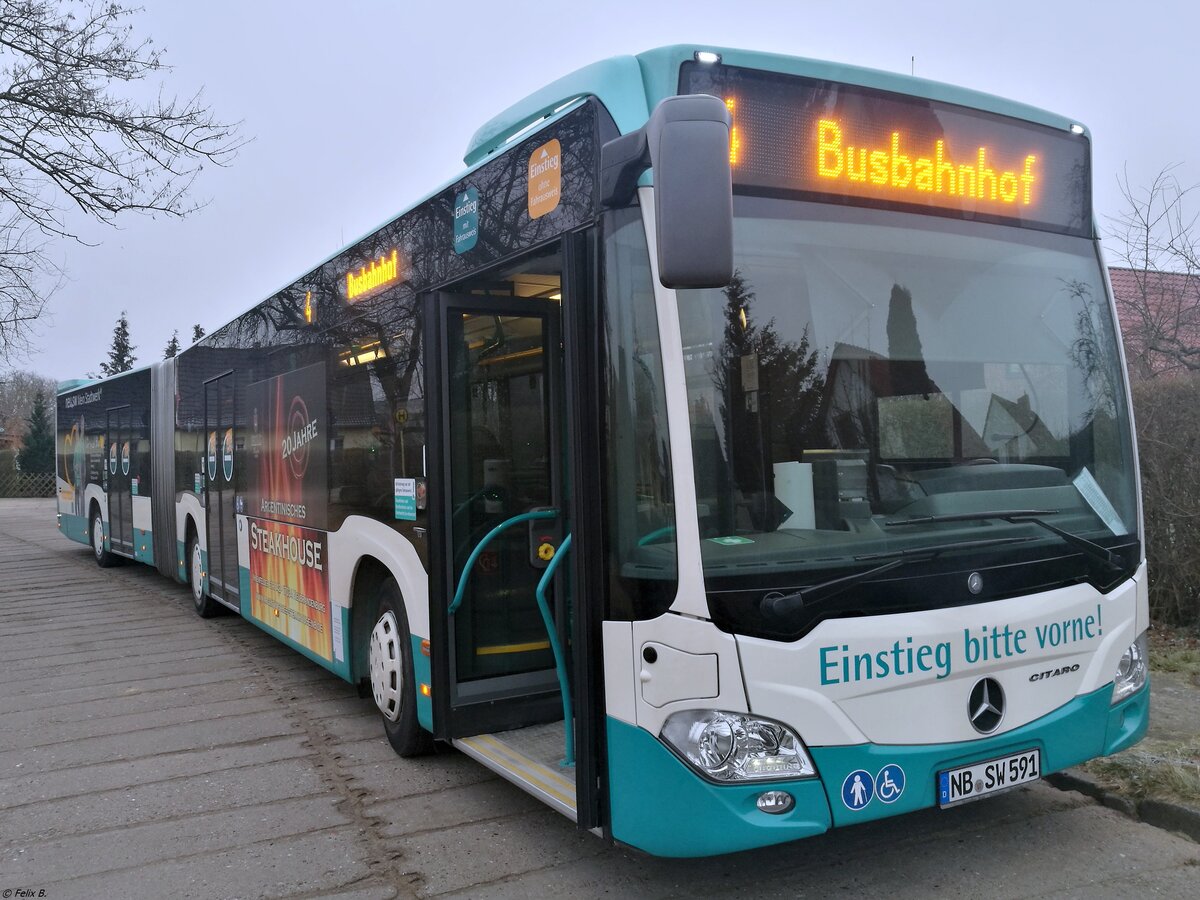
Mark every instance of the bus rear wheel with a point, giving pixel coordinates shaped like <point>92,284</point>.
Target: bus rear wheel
<point>103,557</point>
<point>392,682</point>
<point>206,607</point>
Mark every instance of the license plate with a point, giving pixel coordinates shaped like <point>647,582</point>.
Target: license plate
<point>981,779</point>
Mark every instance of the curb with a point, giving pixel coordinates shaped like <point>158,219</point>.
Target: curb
<point>1159,813</point>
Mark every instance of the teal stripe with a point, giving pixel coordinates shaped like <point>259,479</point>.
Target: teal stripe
<point>1071,734</point>
<point>661,806</point>
<point>340,668</point>
<point>74,527</point>
<point>422,674</point>
<point>143,546</point>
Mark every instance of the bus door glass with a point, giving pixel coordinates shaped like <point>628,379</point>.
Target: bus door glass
<point>219,478</point>
<point>119,460</point>
<point>502,438</point>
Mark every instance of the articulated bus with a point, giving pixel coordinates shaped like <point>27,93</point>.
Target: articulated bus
<point>738,448</point>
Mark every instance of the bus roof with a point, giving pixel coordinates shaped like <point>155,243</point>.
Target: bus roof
<point>631,86</point>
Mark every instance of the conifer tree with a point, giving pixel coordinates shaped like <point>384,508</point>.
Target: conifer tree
<point>37,454</point>
<point>172,345</point>
<point>197,332</point>
<point>120,355</point>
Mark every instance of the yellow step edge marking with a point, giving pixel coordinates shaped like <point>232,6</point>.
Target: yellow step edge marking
<point>498,649</point>
<point>538,775</point>
<point>514,766</point>
<point>521,763</point>
<point>526,763</point>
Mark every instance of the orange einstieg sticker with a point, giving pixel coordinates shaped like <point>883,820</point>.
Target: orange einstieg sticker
<point>545,179</point>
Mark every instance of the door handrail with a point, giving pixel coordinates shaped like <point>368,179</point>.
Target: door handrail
<point>560,665</point>
<point>487,538</point>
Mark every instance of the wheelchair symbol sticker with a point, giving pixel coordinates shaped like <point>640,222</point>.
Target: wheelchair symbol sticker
<point>857,789</point>
<point>889,783</point>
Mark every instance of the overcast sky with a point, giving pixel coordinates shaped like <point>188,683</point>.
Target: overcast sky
<point>356,109</point>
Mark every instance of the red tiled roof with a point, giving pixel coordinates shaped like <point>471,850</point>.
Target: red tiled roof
<point>1159,311</point>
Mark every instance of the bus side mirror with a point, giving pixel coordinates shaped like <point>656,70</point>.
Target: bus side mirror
<point>686,143</point>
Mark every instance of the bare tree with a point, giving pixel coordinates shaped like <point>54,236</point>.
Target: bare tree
<point>1158,285</point>
<point>17,393</point>
<point>69,139</point>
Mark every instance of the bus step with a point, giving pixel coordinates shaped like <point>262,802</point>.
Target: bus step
<point>531,759</point>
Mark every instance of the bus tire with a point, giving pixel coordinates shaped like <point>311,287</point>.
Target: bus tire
<point>206,607</point>
<point>393,686</point>
<point>104,558</point>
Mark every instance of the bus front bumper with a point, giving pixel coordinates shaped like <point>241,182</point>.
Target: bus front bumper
<point>660,805</point>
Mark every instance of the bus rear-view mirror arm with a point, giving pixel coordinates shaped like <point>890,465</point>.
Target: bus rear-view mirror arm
<point>686,143</point>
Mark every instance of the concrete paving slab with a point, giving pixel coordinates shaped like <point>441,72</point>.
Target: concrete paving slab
<point>186,834</point>
<point>91,727</point>
<point>191,795</point>
<point>313,864</point>
<point>214,732</point>
<point>19,790</point>
<point>451,807</point>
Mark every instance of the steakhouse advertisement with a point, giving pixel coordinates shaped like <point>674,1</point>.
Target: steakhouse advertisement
<point>289,580</point>
<point>289,585</point>
<point>289,424</point>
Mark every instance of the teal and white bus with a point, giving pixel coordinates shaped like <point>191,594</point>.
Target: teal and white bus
<point>738,448</point>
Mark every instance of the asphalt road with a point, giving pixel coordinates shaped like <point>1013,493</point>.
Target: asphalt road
<point>145,752</point>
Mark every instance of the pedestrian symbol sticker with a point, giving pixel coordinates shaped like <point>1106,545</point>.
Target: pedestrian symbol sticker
<point>858,789</point>
<point>889,783</point>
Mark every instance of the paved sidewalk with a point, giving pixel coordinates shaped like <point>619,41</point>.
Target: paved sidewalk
<point>145,752</point>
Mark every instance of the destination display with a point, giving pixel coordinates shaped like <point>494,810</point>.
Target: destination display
<point>856,145</point>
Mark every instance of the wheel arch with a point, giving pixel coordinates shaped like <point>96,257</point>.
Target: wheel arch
<point>363,554</point>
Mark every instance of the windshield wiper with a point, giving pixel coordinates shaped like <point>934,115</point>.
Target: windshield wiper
<point>782,605</point>
<point>1018,517</point>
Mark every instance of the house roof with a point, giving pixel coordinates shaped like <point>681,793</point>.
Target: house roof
<point>1160,319</point>
<point>1127,283</point>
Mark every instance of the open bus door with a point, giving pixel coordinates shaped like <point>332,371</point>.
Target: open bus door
<point>500,468</point>
<point>502,440</point>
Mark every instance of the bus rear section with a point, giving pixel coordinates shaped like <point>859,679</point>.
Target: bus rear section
<point>112,487</point>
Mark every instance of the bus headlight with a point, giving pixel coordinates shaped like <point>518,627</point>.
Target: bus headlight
<point>736,747</point>
<point>1131,671</point>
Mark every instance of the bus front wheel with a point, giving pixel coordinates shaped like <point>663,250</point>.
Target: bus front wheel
<point>392,681</point>
<point>104,558</point>
<point>206,607</point>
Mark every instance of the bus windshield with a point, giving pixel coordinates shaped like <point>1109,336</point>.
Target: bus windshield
<point>868,367</point>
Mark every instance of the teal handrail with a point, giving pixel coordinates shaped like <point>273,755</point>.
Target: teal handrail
<point>507,523</point>
<point>560,665</point>
<point>655,535</point>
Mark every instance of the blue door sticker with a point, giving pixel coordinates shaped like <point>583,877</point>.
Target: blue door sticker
<point>858,789</point>
<point>889,783</point>
<point>466,220</point>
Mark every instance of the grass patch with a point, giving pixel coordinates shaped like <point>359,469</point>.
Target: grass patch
<point>1185,661</point>
<point>1161,771</point>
